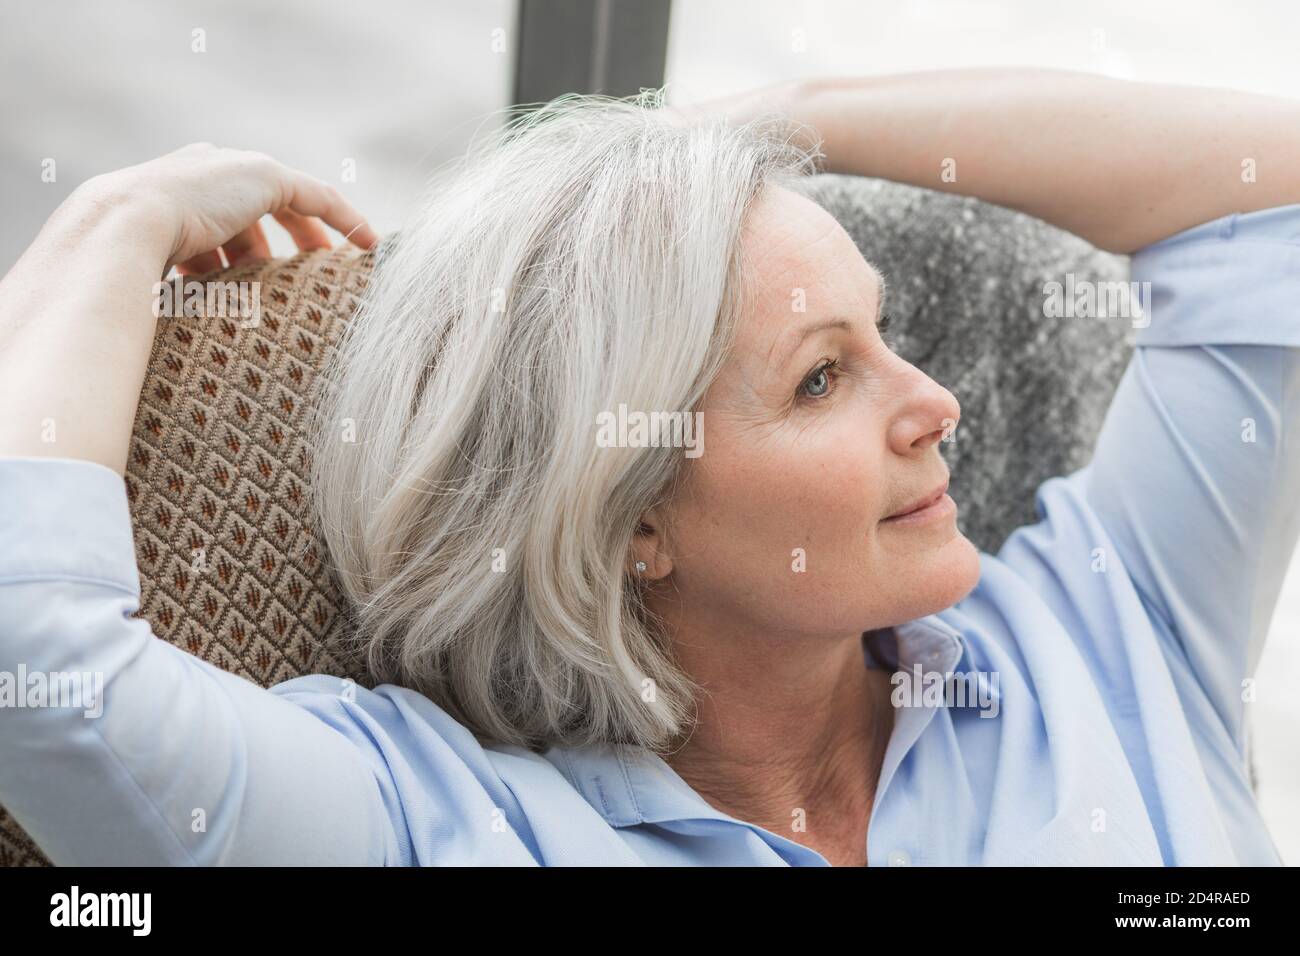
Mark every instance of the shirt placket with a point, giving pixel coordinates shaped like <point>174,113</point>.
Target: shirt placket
<point>935,647</point>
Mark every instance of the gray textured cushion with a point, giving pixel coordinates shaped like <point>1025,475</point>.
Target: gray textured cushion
<point>966,300</point>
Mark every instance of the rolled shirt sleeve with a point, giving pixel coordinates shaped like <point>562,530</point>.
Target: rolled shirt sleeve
<point>1197,468</point>
<point>174,761</point>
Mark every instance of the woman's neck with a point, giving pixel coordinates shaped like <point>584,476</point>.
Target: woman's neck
<point>790,736</point>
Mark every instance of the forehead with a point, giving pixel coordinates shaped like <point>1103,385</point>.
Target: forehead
<point>795,250</point>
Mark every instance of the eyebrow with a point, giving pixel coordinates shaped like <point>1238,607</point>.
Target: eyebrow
<point>844,324</point>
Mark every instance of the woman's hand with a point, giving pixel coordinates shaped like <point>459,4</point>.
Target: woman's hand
<point>205,198</point>
<point>76,311</point>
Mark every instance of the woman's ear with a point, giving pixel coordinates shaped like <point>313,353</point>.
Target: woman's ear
<point>649,548</point>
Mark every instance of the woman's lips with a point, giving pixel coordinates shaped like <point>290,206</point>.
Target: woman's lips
<point>935,505</point>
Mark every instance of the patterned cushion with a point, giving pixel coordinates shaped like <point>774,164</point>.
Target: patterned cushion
<point>217,478</point>
<point>232,571</point>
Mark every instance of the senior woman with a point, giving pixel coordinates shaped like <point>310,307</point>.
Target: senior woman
<point>597,652</point>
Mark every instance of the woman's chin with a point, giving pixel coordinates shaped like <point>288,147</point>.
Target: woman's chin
<point>943,577</point>
<point>968,575</point>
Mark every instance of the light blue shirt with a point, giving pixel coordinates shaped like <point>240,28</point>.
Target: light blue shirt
<point>1116,637</point>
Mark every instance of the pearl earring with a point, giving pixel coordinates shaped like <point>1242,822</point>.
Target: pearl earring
<point>640,567</point>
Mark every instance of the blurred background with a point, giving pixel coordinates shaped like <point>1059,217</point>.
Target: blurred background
<point>373,97</point>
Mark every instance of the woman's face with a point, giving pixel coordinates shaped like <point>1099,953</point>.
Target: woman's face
<point>815,434</point>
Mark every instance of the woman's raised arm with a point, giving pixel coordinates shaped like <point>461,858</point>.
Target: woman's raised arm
<point>116,747</point>
<point>1121,163</point>
<point>76,323</point>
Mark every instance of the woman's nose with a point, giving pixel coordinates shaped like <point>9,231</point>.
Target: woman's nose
<point>928,413</point>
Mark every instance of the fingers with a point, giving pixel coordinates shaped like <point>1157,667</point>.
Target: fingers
<point>311,202</point>
<point>250,245</point>
<point>222,195</point>
<point>203,263</point>
<point>312,197</point>
<point>307,232</point>
<point>247,246</point>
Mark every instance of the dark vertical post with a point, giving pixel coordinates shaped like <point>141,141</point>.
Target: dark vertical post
<point>614,47</point>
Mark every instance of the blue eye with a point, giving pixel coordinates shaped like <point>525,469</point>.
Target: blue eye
<point>819,382</point>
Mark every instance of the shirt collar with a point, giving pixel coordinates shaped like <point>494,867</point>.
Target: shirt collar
<point>630,785</point>
<point>927,641</point>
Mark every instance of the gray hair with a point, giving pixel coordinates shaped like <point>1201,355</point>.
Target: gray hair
<point>585,255</point>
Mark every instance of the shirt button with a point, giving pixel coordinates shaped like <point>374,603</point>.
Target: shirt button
<point>899,858</point>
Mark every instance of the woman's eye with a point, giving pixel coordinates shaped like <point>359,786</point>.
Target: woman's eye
<point>819,382</point>
<point>882,328</point>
